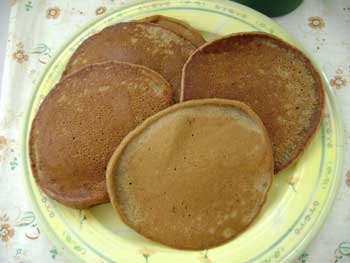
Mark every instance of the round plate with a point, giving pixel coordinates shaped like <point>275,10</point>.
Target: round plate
<point>297,205</point>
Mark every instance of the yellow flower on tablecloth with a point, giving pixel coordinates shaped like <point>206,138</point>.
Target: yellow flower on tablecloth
<point>101,10</point>
<point>316,22</point>
<point>53,12</point>
<point>6,232</point>
<point>3,142</point>
<point>20,56</point>
<point>338,82</point>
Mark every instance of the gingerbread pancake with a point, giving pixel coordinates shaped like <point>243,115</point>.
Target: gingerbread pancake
<point>142,43</point>
<point>194,175</point>
<point>275,79</point>
<point>181,28</point>
<point>81,122</point>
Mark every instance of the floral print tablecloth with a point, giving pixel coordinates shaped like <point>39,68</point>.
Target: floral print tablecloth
<point>38,28</point>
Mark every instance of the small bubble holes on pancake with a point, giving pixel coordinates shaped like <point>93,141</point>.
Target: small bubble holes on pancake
<point>82,120</point>
<point>142,43</point>
<point>194,175</point>
<point>276,80</point>
<point>181,28</point>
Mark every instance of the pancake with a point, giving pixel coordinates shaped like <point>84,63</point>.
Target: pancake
<point>181,28</point>
<point>142,43</point>
<point>82,120</point>
<point>275,79</point>
<point>192,176</point>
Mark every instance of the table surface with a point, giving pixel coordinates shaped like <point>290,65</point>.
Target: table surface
<point>323,27</point>
<point>5,8</point>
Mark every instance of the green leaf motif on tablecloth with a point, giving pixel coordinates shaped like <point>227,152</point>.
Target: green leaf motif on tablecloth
<point>21,256</point>
<point>56,253</point>
<point>342,252</point>
<point>14,160</point>
<point>303,257</point>
<point>42,51</point>
<point>28,6</point>
<point>53,253</point>
<point>8,155</point>
<point>27,219</point>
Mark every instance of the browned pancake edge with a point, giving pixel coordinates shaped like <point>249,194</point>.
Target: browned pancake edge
<point>105,135</point>
<point>317,115</point>
<point>179,27</point>
<point>118,154</point>
<point>148,44</point>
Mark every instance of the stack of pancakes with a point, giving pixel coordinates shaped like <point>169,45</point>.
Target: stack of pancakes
<point>191,175</point>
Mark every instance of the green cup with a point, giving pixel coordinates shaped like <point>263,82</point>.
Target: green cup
<point>272,8</point>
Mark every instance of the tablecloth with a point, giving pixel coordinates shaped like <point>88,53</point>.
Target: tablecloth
<point>38,29</point>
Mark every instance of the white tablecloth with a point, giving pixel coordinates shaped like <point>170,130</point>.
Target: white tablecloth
<point>39,28</point>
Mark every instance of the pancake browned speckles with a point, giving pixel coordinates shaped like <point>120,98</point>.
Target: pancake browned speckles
<point>82,120</point>
<point>278,81</point>
<point>142,43</point>
<point>181,28</point>
<point>194,175</point>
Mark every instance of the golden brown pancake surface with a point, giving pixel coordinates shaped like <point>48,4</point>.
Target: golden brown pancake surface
<point>278,81</point>
<point>192,176</point>
<point>181,28</point>
<point>82,120</point>
<point>142,43</point>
